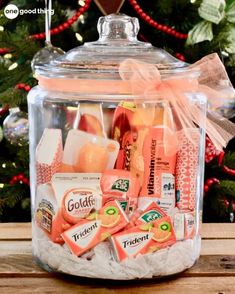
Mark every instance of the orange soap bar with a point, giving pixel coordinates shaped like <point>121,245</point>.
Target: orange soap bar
<point>145,238</point>
<point>97,227</point>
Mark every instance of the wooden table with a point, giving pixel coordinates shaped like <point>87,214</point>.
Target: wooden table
<point>214,272</point>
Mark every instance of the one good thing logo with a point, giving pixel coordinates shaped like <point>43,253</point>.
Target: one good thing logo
<point>11,11</point>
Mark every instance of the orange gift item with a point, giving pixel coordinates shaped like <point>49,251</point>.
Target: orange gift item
<point>97,227</point>
<point>149,214</point>
<point>145,238</point>
<point>120,185</point>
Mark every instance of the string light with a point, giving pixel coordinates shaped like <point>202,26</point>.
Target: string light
<point>4,165</point>
<point>13,66</point>
<point>79,37</point>
<point>1,28</point>
<point>1,185</point>
<point>81,3</point>
<point>8,56</point>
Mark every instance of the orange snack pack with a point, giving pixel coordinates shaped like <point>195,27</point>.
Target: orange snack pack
<point>159,168</point>
<point>77,194</point>
<point>145,238</point>
<point>48,215</point>
<point>121,185</point>
<point>87,153</point>
<point>97,227</point>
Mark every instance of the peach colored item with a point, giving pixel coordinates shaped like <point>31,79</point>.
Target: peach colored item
<point>88,153</point>
<point>49,154</point>
<point>91,119</point>
<point>186,170</point>
<point>97,227</point>
<point>121,126</point>
<point>145,238</point>
<point>151,213</point>
<point>121,185</point>
<point>146,81</point>
<point>48,214</point>
<point>159,168</point>
<point>77,194</point>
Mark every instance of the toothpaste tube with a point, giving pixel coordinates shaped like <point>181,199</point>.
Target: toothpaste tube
<point>186,170</point>
<point>145,238</point>
<point>159,152</point>
<point>190,224</point>
<point>97,227</point>
<point>77,194</point>
<point>121,185</point>
<point>184,225</point>
<point>48,215</point>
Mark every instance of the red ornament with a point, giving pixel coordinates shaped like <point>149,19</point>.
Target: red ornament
<point>22,86</point>
<point>4,51</point>
<point>66,24</point>
<point>206,188</point>
<point>20,178</point>
<point>4,110</point>
<point>209,183</point>
<point>156,25</point>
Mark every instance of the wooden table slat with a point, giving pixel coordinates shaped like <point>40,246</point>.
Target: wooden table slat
<point>15,231</point>
<point>183,285</point>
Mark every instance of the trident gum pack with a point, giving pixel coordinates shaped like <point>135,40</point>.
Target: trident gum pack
<point>97,227</point>
<point>145,238</point>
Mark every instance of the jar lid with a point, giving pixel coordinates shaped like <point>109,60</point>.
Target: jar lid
<point>100,59</point>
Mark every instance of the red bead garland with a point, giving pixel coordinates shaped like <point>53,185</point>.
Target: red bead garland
<point>180,56</point>
<point>156,25</point>
<point>22,86</point>
<point>20,178</point>
<point>209,183</point>
<point>66,24</point>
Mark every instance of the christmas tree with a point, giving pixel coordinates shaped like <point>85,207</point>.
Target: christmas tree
<point>207,26</point>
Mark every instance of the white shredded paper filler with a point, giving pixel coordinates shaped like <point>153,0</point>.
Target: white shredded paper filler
<point>100,262</point>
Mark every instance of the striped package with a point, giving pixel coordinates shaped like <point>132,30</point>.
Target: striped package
<point>49,154</point>
<point>186,170</point>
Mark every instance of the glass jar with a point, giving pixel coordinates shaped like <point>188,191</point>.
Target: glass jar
<point>116,161</point>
